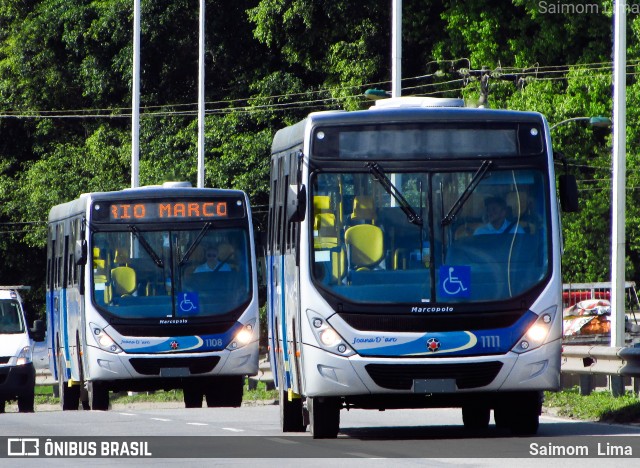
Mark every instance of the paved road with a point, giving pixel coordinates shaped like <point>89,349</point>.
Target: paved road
<point>239,435</point>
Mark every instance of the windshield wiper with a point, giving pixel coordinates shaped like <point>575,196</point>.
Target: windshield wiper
<point>152,253</point>
<point>195,242</point>
<point>475,180</point>
<point>380,176</point>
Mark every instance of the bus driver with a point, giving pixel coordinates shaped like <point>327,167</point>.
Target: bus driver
<point>497,219</point>
<point>212,262</point>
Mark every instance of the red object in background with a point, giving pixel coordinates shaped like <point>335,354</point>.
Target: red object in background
<point>570,298</point>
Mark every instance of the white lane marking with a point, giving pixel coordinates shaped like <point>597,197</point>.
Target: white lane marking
<point>232,429</point>
<point>364,455</point>
<point>282,441</point>
<point>128,414</point>
<point>161,419</point>
<point>198,424</point>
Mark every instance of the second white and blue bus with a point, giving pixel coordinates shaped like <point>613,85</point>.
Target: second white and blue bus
<point>384,289</point>
<point>132,303</point>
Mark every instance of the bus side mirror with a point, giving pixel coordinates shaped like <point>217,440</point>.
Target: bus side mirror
<point>568,193</point>
<point>38,330</point>
<point>260,240</point>
<point>296,203</point>
<point>81,252</point>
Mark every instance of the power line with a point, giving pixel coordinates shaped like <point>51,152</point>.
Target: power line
<point>534,73</point>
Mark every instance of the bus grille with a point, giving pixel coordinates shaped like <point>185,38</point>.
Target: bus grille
<point>421,323</point>
<point>401,376</point>
<point>152,366</point>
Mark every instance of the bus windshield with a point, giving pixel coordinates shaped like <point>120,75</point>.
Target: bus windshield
<point>367,247</point>
<point>199,272</point>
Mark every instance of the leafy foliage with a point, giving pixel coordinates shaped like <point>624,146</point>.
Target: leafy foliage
<point>65,95</point>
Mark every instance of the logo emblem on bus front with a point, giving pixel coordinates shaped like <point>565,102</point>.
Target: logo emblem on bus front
<point>433,344</point>
<point>174,345</point>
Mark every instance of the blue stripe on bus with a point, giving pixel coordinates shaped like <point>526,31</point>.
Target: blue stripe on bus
<point>52,336</point>
<point>285,347</point>
<point>442,344</point>
<point>271,320</point>
<point>65,331</point>
<point>213,342</point>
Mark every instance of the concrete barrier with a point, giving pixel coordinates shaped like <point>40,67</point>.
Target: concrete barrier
<point>264,375</point>
<point>44,377</point>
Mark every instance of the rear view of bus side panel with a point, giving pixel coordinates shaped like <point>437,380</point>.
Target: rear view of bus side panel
<point>286,205</point>
<point>65,308</point>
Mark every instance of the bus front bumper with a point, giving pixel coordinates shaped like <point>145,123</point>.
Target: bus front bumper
<point>106,366</point>
<point>328,374</point>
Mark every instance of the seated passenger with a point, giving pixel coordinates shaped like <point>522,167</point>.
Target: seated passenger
<point>212,262</point>
<point>497,219</point>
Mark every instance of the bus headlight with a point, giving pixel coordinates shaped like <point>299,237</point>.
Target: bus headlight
<point>327,337</point>
<point>103,340</point>
<point>243,337</point>
<point>24,356</point>
<point>537,333</point>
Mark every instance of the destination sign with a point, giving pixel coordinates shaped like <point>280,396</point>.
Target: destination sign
<point>180,210</point>
<point>419,140</point>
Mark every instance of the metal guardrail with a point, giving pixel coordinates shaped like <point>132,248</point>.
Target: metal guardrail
<point>591,355</point>
<point>601,360</point>
<point>615,363</point>
<point>44,377</point>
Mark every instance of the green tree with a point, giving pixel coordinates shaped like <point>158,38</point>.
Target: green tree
<point>65,94</point>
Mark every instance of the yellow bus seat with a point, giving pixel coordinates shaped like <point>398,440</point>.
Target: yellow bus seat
<point>364,246</point>
<point>363,210</point>
<point>124,280</point>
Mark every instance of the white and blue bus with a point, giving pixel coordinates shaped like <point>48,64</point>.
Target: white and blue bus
<point>152,288</point>
<point>413,261</point>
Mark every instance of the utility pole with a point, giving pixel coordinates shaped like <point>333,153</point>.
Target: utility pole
<point>135,97</point>
<point>396,49</point>
<point>618,312</point>
<point>201,98</point>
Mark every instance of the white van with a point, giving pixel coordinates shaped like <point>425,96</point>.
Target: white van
<point>17,374</point>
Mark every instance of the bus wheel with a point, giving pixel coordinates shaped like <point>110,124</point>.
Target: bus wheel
<point>84,397</point>
<point>291,415</point>
<point>84,392</point>
<point>69,396</point>
<point>98,396</point>
<point>192,395</point>
<point>324,417</point>
<point>476,417</point>
<point>225,391</point>
<point>25,401</point>
<point>525,414</point>
<point>502,417</point>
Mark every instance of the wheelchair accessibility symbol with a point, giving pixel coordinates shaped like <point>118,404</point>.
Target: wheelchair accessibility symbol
<point>455,281</point>
<point>188,303</point>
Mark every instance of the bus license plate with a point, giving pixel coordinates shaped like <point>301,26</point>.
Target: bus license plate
<point>434,386</point>
<point>174,372</point>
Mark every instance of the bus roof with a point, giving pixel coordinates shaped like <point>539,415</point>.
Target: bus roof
<point>293,135</point>
<point>80,204</point>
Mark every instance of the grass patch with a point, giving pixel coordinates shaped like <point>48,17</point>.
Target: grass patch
<point>44,395</point>
<point>599,406</point>
<point>259,393</point>
<point>43,390</point>
<point>159,396</point>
